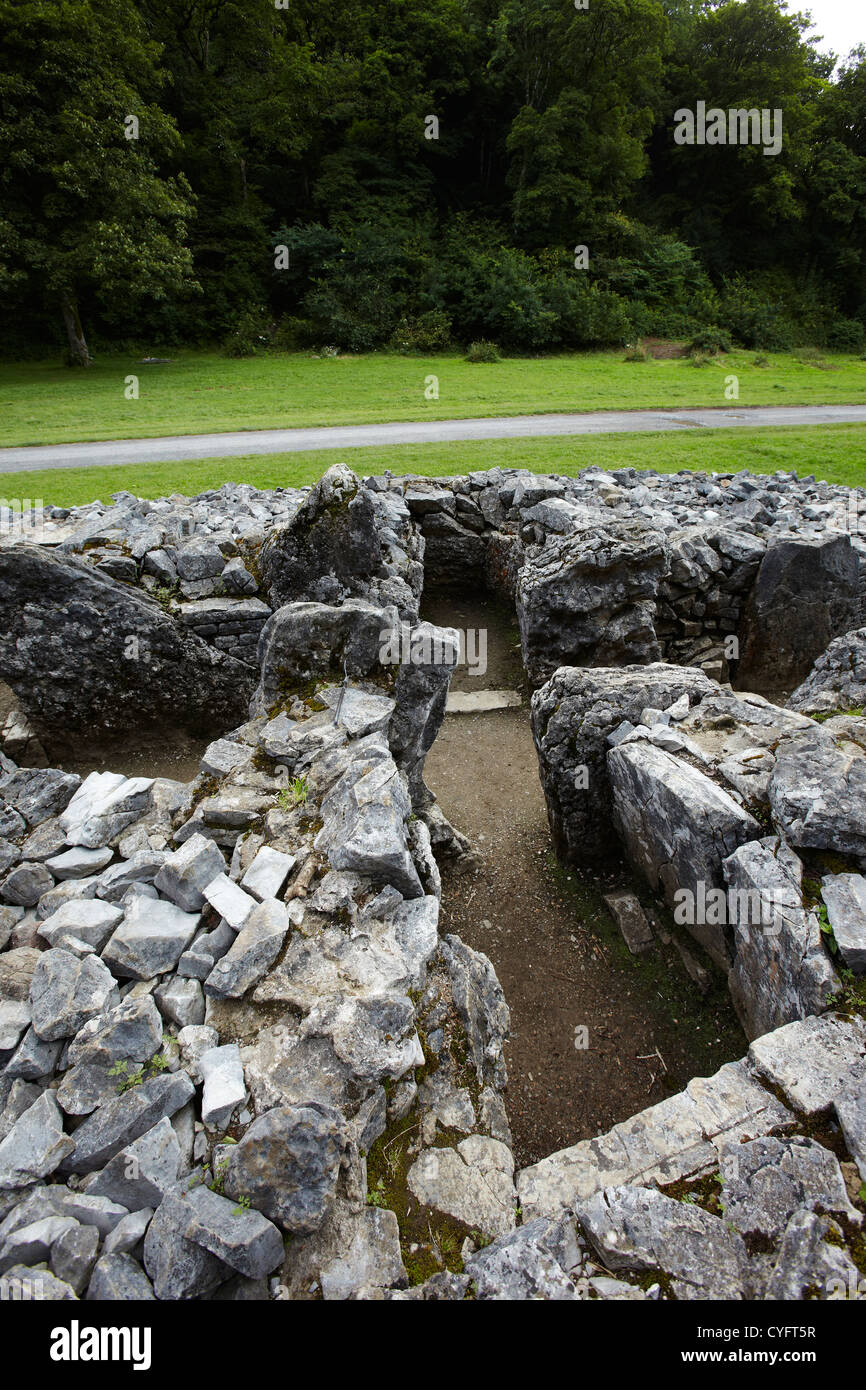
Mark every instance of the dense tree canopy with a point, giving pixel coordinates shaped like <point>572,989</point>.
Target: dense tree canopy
<point>413,172</point>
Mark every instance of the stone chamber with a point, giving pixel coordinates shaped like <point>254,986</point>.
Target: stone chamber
<point>246,1054</point>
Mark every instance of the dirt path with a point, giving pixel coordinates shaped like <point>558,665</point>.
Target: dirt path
<point>557,953</point>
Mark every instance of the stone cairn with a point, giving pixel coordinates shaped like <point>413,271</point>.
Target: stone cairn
<point>227,1016</point>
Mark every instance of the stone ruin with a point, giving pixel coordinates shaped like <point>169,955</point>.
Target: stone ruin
<point>237,1058</point>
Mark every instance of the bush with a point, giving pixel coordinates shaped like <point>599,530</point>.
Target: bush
<point>483,351</point>
<point>292,333</point>
<point>636,352</point>
<point>711,341</point>
<point>251,333</point>
<point>428,332</point>
<point>756,317</point>
<point>846,335</point>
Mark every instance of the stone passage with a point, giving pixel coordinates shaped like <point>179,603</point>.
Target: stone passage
<point>227,1014</point>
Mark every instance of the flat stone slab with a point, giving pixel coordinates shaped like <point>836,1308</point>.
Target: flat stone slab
<point>224,1087</point>
<point>473,1182</point>
<point>845,897</point>
<point>244,1239</point>
<point>680,1137</point>
<point>641,1230</point>
<point>80,863</point>
<point>151,939</point>
<point>481,701</point>
<point>230,901</point>
<point>629,916</point>
<point>266,876</point>
<point>813,1060</point>
<point>87,919</point>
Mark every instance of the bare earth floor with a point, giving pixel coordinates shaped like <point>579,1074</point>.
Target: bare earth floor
<point>555,948</point>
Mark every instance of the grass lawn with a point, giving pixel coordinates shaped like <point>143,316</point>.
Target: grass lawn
<point>834,452</point>
<point>43,403</point>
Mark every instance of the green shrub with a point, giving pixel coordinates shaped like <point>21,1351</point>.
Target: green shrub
<point>636,352</point>
<point>846,335</point>
<point>427,332</point>
<point>711,341</point>
<point>483,351</point>
<point>251,333</point>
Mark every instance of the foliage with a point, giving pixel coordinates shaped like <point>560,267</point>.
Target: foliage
<point>283,192</point>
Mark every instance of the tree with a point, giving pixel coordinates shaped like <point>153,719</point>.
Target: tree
<point>88,209</point>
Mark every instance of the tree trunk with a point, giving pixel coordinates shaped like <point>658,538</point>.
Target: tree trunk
<point>79,356</point>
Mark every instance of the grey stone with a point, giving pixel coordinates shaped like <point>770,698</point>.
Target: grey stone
<point>37,794</point>
<point>351,1251</point>
<point>33,1058</point>
<point>850,1109</point>
<point>181,1001</point>
<point>179,1268</point>
<point>224,756</point>
<point>21,1282</point>
<point>255,949</point>
<point>629,916</point>
<point>35,1146</point>
<point>150,940</point>
<point>767,1180</point>
<point>142,1172</point>
<point>677,827</point>
<point>131,1031</point>
<point>31,1245</point>
<point>73,1256</point>
<point>137,872</point>
<point>118,1122</point>
<point>805,595</point>
<point>60,1201</point>
<point>588,598</point>
<point>104,805</point>
<point>472,1183</point>
<point>188,871</point>
<point>85,1087</point>
<point>680,1137</point>
<point>266,876</point>
<point>128,1234</point>
<point>244,1239</point>
<point>65,992</point>
<point>837,681</point>
<point>193,1041</point>
<point>121,1279</point>
<point>641,1230</point>
<point>205,951</point>
<point>813,1061</point>
<point>14,1019</point>
<point>79,863</point>
<point>808,1266</point>
<point>288,1163</point>
<point>25,884</point>
<point>817,791</point>
<point>480,1002</point>
<point>781,971</point>
<point>86,920</point>
<point>845,897</point>
<point>230,901</point>
<point>572,717</point>
<point>224,1088</point>
<point>17,968</point>
<point>539,1260</point>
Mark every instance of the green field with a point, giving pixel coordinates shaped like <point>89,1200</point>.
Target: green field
<point>43,403</point>
<point>834,452</point>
